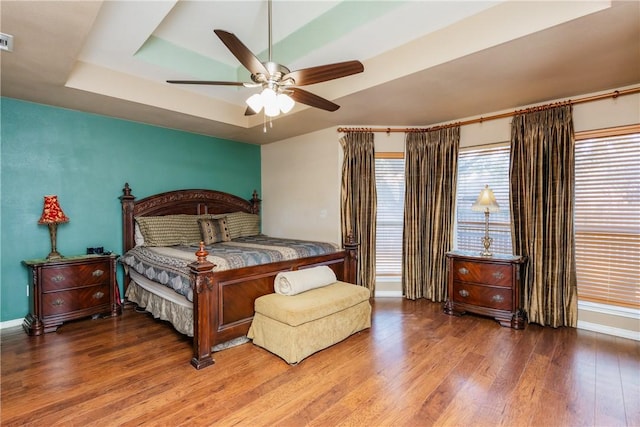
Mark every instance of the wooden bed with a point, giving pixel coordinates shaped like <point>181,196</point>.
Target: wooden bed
<point>223,301</point>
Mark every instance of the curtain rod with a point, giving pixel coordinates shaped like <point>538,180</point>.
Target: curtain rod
<point>614,95</point>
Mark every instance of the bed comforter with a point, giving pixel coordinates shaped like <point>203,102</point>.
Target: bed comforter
<point>170,265</point>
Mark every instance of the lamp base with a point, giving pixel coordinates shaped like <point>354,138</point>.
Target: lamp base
<point>486,242</point>
<point>54,255</point>
<point>486,254</point>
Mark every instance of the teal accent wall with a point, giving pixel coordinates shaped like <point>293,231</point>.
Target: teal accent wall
<point>85,159</point>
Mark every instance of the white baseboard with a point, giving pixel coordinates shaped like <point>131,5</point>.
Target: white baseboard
<point>388,294</point>
<point>10,323</point>
<point>603,329</point>
<point>613,314</point>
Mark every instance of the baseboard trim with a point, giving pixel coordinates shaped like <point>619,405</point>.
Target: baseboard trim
<point>618,332</point>
<point>612,312</point>
<point>10,323</point>
<point>388,294</point>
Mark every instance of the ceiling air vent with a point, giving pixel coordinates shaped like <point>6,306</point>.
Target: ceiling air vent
<point>6,42</point>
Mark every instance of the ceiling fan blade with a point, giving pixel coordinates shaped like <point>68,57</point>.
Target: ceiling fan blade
<point>308,98</point>
<point>205,82</point>
<point>322,73</point>
<point>241,52</point>
<point>249,112</point>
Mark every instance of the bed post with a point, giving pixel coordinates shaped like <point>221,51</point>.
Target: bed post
<point>255,202</point>
<point>128,240</point>
<point>351,260</point>
<point>203,324</point>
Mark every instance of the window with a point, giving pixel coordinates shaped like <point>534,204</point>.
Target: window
<point>607,216</point>
<point>390,190</point>
<point>478,167</point>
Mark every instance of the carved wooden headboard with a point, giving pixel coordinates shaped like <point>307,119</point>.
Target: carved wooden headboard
<point>190,202</point>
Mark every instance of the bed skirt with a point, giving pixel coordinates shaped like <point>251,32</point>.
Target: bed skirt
<point>180,315</point>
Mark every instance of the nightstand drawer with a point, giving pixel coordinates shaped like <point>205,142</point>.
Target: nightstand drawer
<point>486,296</point>
<point>497,274</point>
<point>71,276</point>
<point>77,299</point>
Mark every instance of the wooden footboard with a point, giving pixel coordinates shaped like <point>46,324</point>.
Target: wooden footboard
<point>223,300</point>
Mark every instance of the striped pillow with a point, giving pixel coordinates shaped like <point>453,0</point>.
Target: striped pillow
<point>243,224</point>
<point>214,230</point>
<point>170,230</point>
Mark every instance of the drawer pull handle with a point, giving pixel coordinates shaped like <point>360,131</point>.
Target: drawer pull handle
<point>497,298</point>
<point>59,278</point>
<point>97,273</point>
<point>98,295</point>
<point>58,302</point>
<point>463,293</point>
<point>498,275</point>
<point>463,271</point>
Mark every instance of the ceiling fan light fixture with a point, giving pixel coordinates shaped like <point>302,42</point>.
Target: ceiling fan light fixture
<point>285,102</point>
<point>255,102</point>
<point>271,110</point>
<point>269,98</point>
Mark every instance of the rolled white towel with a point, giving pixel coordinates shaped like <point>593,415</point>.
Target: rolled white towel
<point>295,282</point>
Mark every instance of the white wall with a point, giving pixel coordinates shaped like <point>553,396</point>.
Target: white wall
<point>301,180</point>
<point>301,187</point>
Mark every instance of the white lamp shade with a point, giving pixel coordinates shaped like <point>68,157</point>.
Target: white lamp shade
<point>486,201</point>
<point>285,102</point>
<point>255,102</point>
<point>270,102</point>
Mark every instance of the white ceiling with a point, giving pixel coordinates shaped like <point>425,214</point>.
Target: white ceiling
<point>425,62</point>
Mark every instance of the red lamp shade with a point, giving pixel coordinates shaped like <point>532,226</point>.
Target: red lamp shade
<point>52,212</point>
<point>52,215</point>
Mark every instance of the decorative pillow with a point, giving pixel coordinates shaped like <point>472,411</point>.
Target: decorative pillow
<point>170,230</point>
<point>214,230</point>
<point>138,237</point>
<point>243,224</point>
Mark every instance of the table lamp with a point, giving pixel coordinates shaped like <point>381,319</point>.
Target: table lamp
<point>486,203</point>
<point>52,215</point>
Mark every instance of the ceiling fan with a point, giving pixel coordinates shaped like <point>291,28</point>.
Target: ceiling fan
<point>280,86</point>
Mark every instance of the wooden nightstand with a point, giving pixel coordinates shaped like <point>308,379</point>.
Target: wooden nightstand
<point>70,288</point>
<point>489,286</point>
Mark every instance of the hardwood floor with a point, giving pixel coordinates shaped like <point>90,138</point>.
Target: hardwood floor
<point>415,367</point>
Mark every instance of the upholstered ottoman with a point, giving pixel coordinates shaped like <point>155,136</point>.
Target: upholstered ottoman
<point>296,326</point>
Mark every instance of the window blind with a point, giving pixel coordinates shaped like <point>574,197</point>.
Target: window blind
<point>607,219</point>
<point>390,190</point>
<point>478,167</point>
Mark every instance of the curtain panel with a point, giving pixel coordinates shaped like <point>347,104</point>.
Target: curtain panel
<point>359,202</point>
<point>431,163</point>
<point>542,208</point>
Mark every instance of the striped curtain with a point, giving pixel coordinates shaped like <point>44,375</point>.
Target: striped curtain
<point>359,204</point>
<point>542,207</point>
<point>431,163</point>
